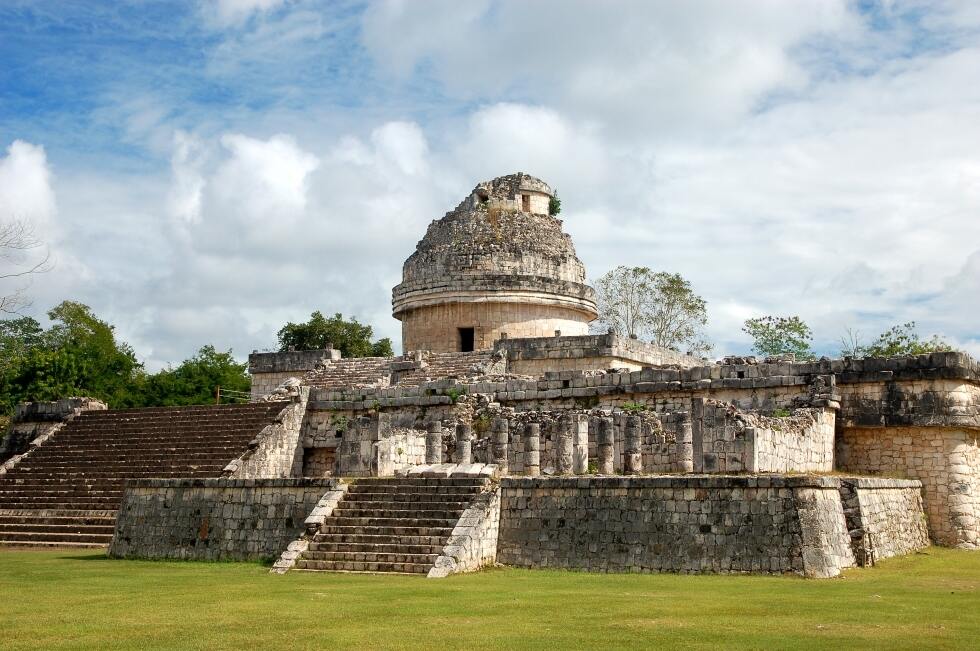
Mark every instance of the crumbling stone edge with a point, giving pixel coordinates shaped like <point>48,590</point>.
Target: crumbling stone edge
<point>323,509</point>
<point>472,544</point>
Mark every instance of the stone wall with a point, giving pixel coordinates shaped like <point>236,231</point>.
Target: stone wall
<point>473,542</point>
<point>33,423</point>
<point>269,370</point>
<point>884,517</point>
<point>436,327</point>
<point>946,461</point>
<point>276,451</point>
<point>213,519</point>
<point>538,355</point>
<point>682,524</point>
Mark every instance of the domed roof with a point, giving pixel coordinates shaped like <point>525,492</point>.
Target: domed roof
<point>498,240</point>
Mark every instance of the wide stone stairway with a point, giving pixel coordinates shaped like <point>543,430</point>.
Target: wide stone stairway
<point>66,492</point>
<point>391,525</point>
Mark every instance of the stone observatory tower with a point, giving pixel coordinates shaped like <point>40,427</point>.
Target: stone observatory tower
<point>497,266</point>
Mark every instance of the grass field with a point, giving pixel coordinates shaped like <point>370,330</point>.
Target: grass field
<point>81,600</point>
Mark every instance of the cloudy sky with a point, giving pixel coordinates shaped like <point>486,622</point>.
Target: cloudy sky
<point>205,172</point>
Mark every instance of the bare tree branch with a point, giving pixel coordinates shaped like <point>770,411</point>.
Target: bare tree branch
<point>17,241</point>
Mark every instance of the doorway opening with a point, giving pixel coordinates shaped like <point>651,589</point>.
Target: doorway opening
<point>466,339</point>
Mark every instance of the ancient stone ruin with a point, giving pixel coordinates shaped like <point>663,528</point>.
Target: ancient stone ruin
<point>506,433</point>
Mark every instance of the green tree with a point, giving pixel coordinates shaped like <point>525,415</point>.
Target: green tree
<point>902,340</point>
<point>659,307</point>
<point>554,204</point>
<point>351,338</point>
<point>77,355</point>
<point>772,335</point>
<point>194,381</point>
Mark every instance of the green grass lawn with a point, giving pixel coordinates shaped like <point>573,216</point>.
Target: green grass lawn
<point>81,600</point>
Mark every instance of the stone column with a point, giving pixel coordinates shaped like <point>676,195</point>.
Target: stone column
<point>464,443</point>
<point>685,447</point>
<point>500,433</point>
<point>580,444</point>
<point>563,446</point>
<point>605,446</point>
<point>532,450</point>
<point>433,442</point>
<point>633,457</point>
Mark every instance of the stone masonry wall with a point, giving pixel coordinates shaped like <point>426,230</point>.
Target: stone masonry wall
<point>277,450</point>
<point>884,517</point>
<point>682,524</point>
<point>213,519</point>
<point>436,327</point>
<point>945,460</point>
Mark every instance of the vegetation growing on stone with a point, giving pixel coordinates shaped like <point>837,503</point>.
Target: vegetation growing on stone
<point>350,337</point>
<point>778,335</point>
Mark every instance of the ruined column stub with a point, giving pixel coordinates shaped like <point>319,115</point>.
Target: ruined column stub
<point>580,444</point>
<point>633,457</point>
<point>433,442</point>
<point>564,454</point>
<point>532,450</point>
<point>501,444</point>
<point>464,443</point>
<point>605,446</point>
<point>685,438</point>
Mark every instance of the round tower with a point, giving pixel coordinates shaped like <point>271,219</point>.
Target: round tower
<point>498,265</point>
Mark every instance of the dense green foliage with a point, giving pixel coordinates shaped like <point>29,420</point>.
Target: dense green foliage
<point>898,340</point>
<point>777,335</point>
<point>80,600</point>
<point>79,355</point>
<point>351,338</point>
<point>554,204</point>
<point>659,307</point>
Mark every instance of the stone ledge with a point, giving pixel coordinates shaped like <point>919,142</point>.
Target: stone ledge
<point>675,481</point>
<point>881,482</point>
<point>218,482</point>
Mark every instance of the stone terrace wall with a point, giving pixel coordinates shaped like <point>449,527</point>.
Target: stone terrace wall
<point>213,519</point>
<point>675,524</point>
<point>269,370</point>
<point>34,422</point>
<point>884,517</point>
<point>946,460</point>
<point>277,450</point>
<point>535,356</point>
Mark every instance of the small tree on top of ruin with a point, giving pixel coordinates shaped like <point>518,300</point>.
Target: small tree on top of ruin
<point>659,307</point>
<point>898,340</point>
<point>351,338</point>
<point>778,335</point>
<point>17,240</point>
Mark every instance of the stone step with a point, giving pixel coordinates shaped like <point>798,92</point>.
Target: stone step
<point>31,537</point>
<point>341,521</point>
<point>60,513</point>
<point>384,548</point>
<point>363,566</point>
<point>372,557</point>
<point>31,518</point>
<point>446,496</point>
<point>355,538</point>
<point>35,527</point>
<point>376,530</point>
<point>355,511</point>
<point>55,544</point>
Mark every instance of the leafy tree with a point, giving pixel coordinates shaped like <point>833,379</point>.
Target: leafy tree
<point>194,381</point>
<point>774,335</point>
<point>554,204</point>
<point>902,340</point>
<point>351,338</point>
<point>660,307</point>
<point>77,355</point>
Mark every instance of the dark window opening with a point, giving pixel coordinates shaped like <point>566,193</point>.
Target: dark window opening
<point>526,202</point>
<point>466,338</point>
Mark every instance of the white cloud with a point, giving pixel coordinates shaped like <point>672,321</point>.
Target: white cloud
<point>188,181</point>
<point>236,12</point>
<point>25,184</point>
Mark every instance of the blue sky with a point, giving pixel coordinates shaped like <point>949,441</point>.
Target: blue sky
<point>202,172</point>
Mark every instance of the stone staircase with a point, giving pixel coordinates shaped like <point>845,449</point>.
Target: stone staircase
<point>67,491</point>
<point>396,524</point>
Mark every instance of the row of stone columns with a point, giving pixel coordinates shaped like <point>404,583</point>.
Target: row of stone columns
<point>571,445</point>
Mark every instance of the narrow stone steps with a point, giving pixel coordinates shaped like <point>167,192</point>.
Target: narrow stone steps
<point>381,523</point>
<point>42,543</point>
<point>31,518</point>
<point>398,546</point>
<point>413,514</point>
<point>372,557</point>
<point>363,566</point>
<point>34,527</point>
<point>437,540</point>
<point>33,536</point>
